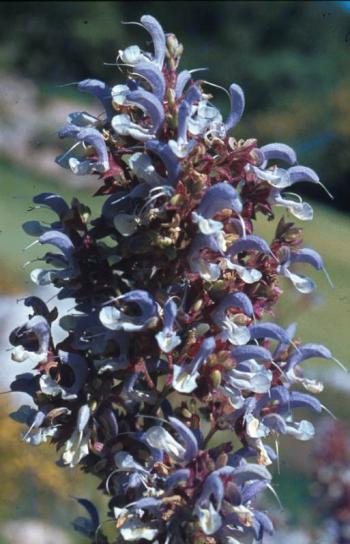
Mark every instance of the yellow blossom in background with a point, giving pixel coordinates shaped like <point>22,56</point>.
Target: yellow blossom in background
<point>28,468</point>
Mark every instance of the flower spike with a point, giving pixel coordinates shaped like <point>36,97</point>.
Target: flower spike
<point>169,337</point>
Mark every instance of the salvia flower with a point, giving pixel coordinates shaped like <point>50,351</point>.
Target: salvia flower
<point>169,340</point>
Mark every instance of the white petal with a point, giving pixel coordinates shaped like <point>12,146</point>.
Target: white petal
<point>125,460</point>
<point>125,224</point>
<point>206,226</point>
<point>123,126</point>
<point>300,210</point>
<point>208,271</point>
<point>197,126</point>
<point>236,334</point>
<point>39,436</point>
<point>210,113</point>
<point>80,168</point>
<point>261,381</point>
<point>110,364</point>
<point>132,55</point>
<point>304,430</point>
<point>220,239</point>
<point>204,118</point>
<point>253,365</point>
<point>75,449</point>
<point>277,178</point>
<point>134,530</point>
<point>167,341</point>
<point>257,382</point>
<point>119,93</point>
<point>314,386</point>
<point>158,437</point>
<point>248,275</point>
<point>181,149</point>
<point>40,276</point>
<point>244,514</point>
<point>141,165</point>
<point>49,387</point>
<point>110,317</point>
<point>119,512</point>
<point>303,211</point>
<point>129,326</point>
<point>234,396</point>
<point>209,519</point>
<point>183,381</point>
<point>301,283</point>
<point>254,427</point>
<point>19,355</point>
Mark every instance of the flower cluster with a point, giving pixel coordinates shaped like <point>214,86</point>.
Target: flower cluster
<point>168,343</point>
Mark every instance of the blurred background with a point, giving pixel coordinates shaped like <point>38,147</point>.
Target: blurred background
<point>293,61</point>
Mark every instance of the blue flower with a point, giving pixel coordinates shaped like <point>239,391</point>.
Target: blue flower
<point>167,338</point>
<point>115,319</point>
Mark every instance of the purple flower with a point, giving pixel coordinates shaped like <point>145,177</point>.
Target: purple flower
<point>100,90</point>
<point>237,107</point>
<point>166,341</point>
<point>167,338</point>
<point>115,319</point>
<point>90,136</point>
<point>185,376</point>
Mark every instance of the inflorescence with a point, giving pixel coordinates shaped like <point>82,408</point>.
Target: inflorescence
<point>170,380</point>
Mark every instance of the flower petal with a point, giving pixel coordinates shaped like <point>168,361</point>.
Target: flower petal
<point>181,81</point>
<point>158,37</point>
<point>269,330</point>
<point>232,300</point>
<point>309,256</point>
<point>187,437</point>
<point>152,74</point>
<point>159,438</point>
<point>100,90</point>
<point>303,430</point>
<point>281,152</point>
<point>237,106</point>
<point>243,353</point>
<point>301,283</point>
<point>184,378</point>
<point>123,126</point>
<point>125,224</point>
<point>220,196</point>
<point>170,161</point>
<point>53,201</point>
<point>248,275</point>
<point>149,103</point>
<point>209,519</point>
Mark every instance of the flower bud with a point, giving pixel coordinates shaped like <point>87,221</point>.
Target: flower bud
<point>198,305</point>
<point>216,377</point>
<point>174,48</point>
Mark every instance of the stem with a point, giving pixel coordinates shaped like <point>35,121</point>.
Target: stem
<point>209,437</point>
<point>163,395</point>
